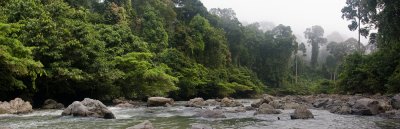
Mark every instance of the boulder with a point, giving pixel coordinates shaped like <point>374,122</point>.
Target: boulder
<point>384,105</point>
<point>248,108</point>
<point>211,114</point>
<point>200,126</point>
<point>119,100</point>
<point>277,104</point>
<point>124,103</point>
<point>159,101</point>
<point>88,108</point>
<point>395,100</point>
<point>392,114</point>
<point>334,103</point>
<point>267,109</point>
<point>226,102</point>
<point>321,103</point>
<point>365,106</point>
<point>343,110</point>
<point>291,105</point>
<point>15,106</point>
<point>52,104</point>
<point>144,125</point>
<point>301,113</point>
<point>196,102</point>
<point>265,99</point>
<point>3,111</point>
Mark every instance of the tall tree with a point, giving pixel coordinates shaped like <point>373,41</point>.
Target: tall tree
<point>233,29</point>
<point>353,12</point>
<point>315,36</point>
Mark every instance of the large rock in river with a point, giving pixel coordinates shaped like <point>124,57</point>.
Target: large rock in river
<point>227,102</point>
<point>159,101</point>
<point>277,104</point>
<point>321,103</point>
<point>88,108</point>
<point>265,99</point>
<point>196,102</point>
<point>301,113</point>
<point>343,109</point>
<point>52,104</point>
<point>366,106</point>
<point>15,106</point>
<point>395,100</point>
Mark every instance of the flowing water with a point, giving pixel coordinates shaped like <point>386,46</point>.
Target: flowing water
<point>180,117</point>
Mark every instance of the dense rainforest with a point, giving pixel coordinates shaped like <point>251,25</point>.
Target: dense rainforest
<point>105,49</point>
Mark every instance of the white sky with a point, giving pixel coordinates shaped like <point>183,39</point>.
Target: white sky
<point>299,14</point>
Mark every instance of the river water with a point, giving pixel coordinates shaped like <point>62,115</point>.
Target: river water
<point>180,117</point>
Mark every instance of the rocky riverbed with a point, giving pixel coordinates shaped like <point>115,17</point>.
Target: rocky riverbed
<point>220,114</point>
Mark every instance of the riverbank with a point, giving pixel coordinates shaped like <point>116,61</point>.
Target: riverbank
<point>182,116</point>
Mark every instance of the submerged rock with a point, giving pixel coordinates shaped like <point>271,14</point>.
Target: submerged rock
<point>267,109</point>
<point>144,125</point>
<point>52,104</point>
<point>211,114</point>
<point>159,101</point>
<point>301,113</point>
<point>88,108</point>
<point>15,106</point>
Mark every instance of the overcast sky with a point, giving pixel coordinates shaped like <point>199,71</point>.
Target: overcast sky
<point>299,14</point>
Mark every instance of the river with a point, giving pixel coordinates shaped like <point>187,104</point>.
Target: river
<point>181,117</point>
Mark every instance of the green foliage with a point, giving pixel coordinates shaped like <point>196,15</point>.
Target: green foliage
<point>324,87</point>
<point>137,49</point>
<point>357,77</point>
<point>16,62</point>
<point>377,72</point>
<point>142,77</point>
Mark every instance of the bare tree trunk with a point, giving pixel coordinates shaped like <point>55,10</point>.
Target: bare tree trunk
<point>359,28</point>
<point>296,68</point>
<point>334,75</point>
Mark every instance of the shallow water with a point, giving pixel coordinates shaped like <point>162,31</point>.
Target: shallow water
<point>180,117</point>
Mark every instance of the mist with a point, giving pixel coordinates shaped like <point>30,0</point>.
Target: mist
<point>295,13</point>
